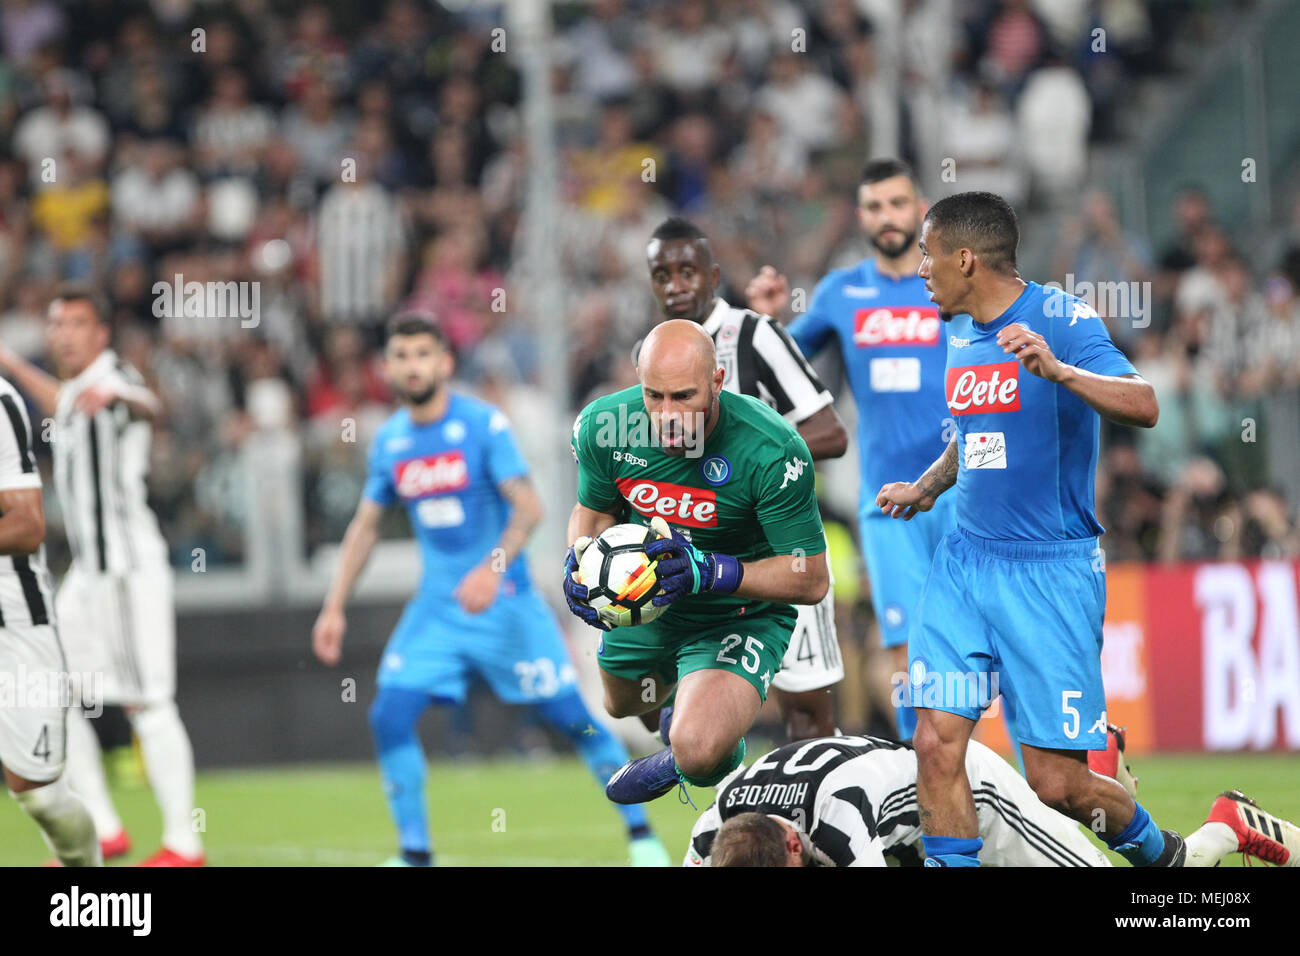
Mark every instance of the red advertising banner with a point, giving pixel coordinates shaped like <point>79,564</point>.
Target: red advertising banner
<point>1200,657</point>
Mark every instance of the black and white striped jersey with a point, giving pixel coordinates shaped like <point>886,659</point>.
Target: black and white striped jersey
<point>101,466</point>
<point>760,359</point>
<point>26,592</point>
<point>853,802</point>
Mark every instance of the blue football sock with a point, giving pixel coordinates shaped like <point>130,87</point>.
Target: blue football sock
<point>393,716</point>
<point>952,851</point>
<point>600,750</point>
<point>1141,842</point>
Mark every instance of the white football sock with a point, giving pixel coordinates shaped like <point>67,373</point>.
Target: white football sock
<point>1209,844</point>
<point>64,821</point>
<point>85,774</point>
<point>169,763</point>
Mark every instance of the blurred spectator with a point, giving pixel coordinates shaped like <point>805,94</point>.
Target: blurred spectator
<point>1053,116</point>
<point>1013,45</point>
<point>155,198</point>
<point>1094,249</point>
<point>361,237</point>
<point>230,132</point>
<point>454,286</point>
<point>807,105</point>
<point>983,142</point>
<point>317,131</point>
<point>59,127</point>
<point>69,213</point>
<point>1200,520</point>
<point>29,25</point>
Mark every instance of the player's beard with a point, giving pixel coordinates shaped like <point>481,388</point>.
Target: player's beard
<point>894,251</point>
<point>424,396</point>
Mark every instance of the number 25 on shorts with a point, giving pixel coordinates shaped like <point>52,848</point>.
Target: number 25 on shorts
<point>753,646</point>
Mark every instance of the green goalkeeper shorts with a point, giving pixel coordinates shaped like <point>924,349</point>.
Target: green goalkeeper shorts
<point>751,647</point>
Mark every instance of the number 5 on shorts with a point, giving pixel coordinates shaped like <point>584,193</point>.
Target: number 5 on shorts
<point>1071,729</point>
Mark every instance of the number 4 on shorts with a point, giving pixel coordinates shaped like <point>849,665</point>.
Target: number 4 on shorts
<point>42,748</point>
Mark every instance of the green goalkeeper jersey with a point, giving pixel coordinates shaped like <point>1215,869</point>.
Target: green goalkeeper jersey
<point>747,492</point>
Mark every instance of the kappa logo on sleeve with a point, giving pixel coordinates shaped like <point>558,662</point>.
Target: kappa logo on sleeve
<point>793,470</point>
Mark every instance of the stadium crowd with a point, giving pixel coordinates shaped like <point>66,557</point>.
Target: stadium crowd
<point>354,160</point>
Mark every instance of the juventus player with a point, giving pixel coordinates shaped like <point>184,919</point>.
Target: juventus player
<point>31,727</point>
<point>116,600</point>
<point>851,801</point>
<point>761,360</point>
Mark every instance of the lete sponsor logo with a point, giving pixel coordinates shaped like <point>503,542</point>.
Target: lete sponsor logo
<point>973,389</point>
<point>431,474</point>
<point>889,325</point>
<point>679,504</point>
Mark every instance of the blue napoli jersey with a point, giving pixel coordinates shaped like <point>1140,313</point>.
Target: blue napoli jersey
<point>892,340</point>
<point>448,474</point>
<point>1027,447</point>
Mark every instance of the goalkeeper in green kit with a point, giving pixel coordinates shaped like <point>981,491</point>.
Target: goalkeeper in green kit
<point>728,483</point>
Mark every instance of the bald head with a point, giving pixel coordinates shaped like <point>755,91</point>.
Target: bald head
<point>680,382</point>
<point>678,344</point>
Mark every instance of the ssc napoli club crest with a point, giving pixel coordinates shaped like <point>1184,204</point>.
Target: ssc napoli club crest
<point>894,615</point>
<point>454,432</point>
<point>917,672</point>
<point>716,470</point>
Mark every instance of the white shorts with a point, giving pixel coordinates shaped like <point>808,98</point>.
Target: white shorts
<point>812,661</point>
<point>33,702</point>
<point>123,627</point>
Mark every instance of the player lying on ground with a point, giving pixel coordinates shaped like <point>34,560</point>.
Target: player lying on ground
<point>1018,591</point>
<point>736,477</point>
<point>32,732</point>
<point>851,801</point>
<point>759,359</point>
<point>452,461</point>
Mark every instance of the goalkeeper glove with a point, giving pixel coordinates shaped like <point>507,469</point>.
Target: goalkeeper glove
<point>684,569</point>
<point>576,594</point>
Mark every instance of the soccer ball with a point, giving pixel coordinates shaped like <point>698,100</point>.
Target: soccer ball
<point>619,578</point>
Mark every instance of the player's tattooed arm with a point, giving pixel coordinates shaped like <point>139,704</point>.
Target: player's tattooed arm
<point>942,475</point>
<point>525,515</point>
<point>903,499</point>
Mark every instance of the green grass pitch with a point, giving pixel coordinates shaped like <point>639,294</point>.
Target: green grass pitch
<point>547,813</point>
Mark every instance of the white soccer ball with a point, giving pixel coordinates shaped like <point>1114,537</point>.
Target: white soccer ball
<point>619,578</point>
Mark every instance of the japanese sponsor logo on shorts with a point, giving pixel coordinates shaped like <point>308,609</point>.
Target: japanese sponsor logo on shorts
<point>890,325</point>
<point>693,507</point>
<point>432,474</point>
<point>976,389</point>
